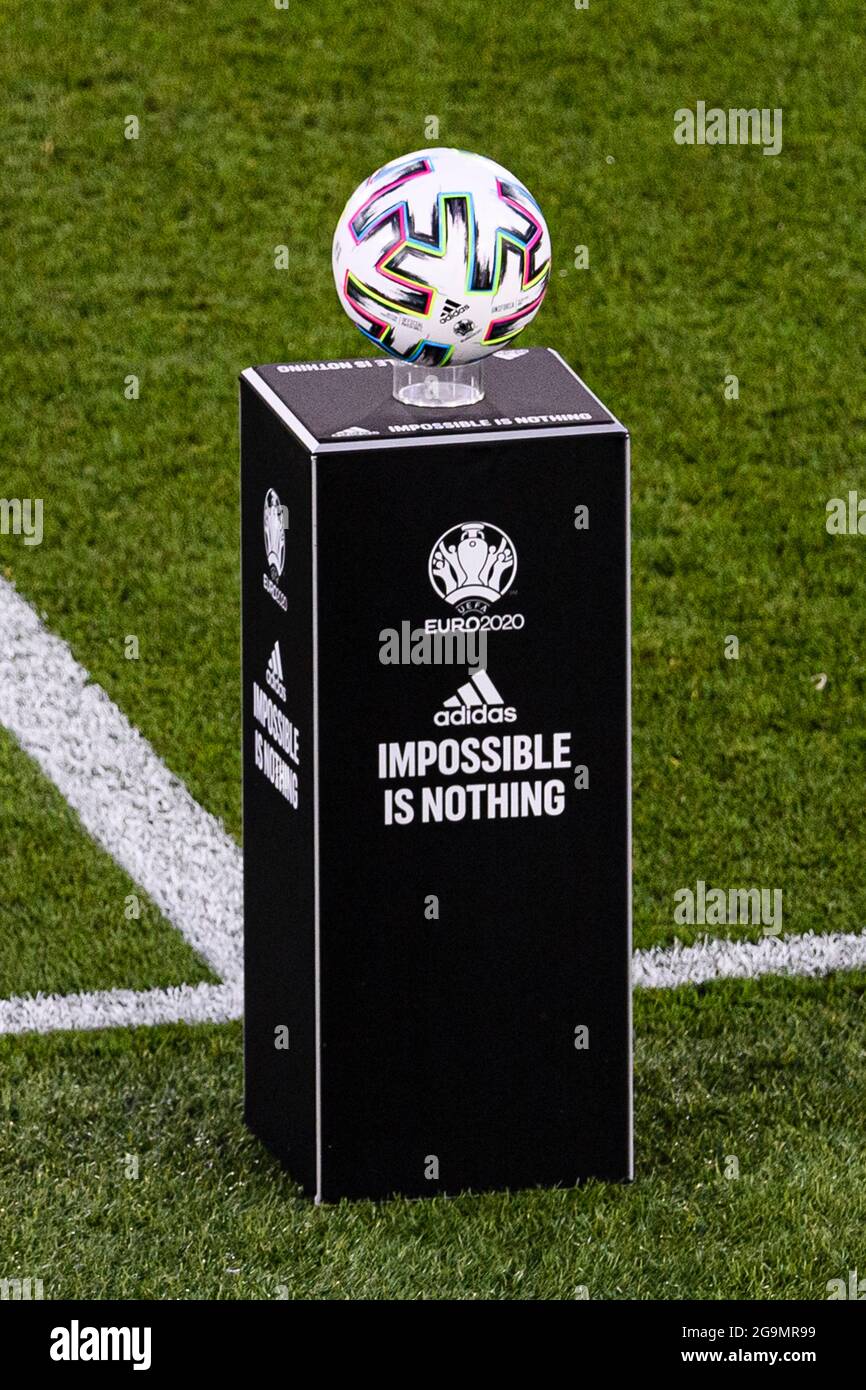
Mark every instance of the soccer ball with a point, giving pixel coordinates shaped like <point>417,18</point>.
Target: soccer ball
<point>441,257</point>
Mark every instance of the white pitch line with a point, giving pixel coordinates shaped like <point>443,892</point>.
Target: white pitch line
<point>145,818</point>
<point>124,795</point>
<point>121,1008</point>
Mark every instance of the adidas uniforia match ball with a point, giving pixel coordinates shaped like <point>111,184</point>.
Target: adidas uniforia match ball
<point>441,257</point>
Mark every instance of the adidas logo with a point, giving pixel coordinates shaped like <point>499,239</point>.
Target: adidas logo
<point>451,309</point>
<point>476,702</point>
<point>274,673</point>
<point>509,354</point>
<point>352,432</point>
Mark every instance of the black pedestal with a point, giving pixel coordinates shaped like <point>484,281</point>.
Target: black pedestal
<point>436,854</point>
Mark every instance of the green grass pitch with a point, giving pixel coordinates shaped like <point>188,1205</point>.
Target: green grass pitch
<point>155,258</point>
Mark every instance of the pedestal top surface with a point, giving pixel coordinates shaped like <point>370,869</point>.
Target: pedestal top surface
<point>348,404</point>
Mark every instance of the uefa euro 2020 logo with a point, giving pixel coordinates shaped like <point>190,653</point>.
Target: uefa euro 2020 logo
<point>472,566</point>
<point>275,534</point>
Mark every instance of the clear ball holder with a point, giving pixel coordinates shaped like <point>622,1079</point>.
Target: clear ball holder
<point>438,387</point>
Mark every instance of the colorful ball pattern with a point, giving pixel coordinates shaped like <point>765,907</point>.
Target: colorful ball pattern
<point>441,257</point>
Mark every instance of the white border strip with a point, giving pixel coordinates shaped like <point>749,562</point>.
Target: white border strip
<point>629,800</point>
<point>405,441</point>
<point>317,985</point>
